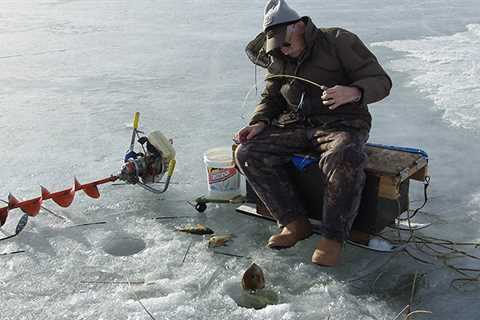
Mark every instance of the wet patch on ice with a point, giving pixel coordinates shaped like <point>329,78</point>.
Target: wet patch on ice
<point>445,69</point>
<point>474,204</point>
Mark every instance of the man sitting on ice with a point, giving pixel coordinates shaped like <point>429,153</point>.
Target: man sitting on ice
<point>318,85</point>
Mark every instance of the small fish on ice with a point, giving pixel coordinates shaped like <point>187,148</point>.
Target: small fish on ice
<point>195,229</point>
<point>253,278</point>
<point>219,240</point>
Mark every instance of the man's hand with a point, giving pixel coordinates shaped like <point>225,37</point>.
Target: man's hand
<point>248,132</point>
<point>338,95</point>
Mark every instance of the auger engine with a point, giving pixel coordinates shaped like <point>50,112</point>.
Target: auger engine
<point>148,166</point>
<point>143,168</point>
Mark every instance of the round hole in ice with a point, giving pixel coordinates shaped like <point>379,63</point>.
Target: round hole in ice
<point>123,245</point>
<point>258,299</point>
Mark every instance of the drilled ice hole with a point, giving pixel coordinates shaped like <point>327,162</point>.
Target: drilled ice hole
<point>123,245</point>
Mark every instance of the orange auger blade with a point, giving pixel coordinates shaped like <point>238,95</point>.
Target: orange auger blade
<point>3,215</point>
<point>12,201</point>
<point>63,198</point>
<point>32,206</point>
<point>45,192</point>
<point>78,185</point>
<point>91,191</point>
<point>89,188</point>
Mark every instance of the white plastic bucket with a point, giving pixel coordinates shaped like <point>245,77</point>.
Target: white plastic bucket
<point>222,176</point>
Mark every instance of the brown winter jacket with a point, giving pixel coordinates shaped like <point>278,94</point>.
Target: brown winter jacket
<point>332,57</point>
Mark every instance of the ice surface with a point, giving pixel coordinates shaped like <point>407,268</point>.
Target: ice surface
<point>73,73</point>
<point>445,69</point>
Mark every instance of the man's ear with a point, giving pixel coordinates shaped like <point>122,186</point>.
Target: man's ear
<point>300,26</point>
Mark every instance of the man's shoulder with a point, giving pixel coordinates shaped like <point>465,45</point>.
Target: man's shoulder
<point>336,33</point>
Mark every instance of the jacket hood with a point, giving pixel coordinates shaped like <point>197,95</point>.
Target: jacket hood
<point>256,52</point>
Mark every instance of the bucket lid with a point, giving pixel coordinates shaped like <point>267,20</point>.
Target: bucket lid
<point>221,156</point>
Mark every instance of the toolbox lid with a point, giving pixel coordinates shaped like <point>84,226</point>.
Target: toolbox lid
<point>395,161</point>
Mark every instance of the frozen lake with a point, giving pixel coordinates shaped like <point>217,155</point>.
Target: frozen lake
<point>72,74</point>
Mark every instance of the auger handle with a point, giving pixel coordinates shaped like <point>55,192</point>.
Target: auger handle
<point>136,118</point>
<point>171,167</point>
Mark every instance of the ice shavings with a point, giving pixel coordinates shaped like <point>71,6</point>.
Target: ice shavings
<point>474,206</point>
<point>445,69</point>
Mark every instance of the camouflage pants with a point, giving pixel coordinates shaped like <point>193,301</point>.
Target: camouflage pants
<point>264,159</point>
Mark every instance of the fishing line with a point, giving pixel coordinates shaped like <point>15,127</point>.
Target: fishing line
<point>442,250</point>
<point>86,224</point>
<point>426,184</point>
<point>244,111</point>
<point>230,254</point>
<point>172,217</point>
<point>139,301</point>
<point>112,282</point>
<point>186,252</point>
<point>242,116</point>
<point>322,87</point>
<point>11,253</point>
<point>402,312</point>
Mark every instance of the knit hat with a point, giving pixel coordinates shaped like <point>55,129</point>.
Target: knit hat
<point>275,20</point>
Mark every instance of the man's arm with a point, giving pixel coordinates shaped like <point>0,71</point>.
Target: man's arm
<point>271,103</point>
<point>362,67</point>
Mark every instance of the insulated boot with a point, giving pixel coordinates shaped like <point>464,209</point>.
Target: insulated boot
<point>292,233</point>
<point>327,253</point>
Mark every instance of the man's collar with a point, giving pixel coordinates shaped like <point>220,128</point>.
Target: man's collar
<point>310,32</point>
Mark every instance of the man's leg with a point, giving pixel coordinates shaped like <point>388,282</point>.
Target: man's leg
<point>342,162</point>
<point>264,160</point>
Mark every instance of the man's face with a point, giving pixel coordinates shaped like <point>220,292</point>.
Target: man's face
<point>293,44</point>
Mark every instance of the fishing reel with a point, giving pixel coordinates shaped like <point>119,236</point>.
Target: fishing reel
<point>149,166</point>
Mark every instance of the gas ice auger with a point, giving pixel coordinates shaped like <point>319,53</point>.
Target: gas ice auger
<point>143,168</point>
